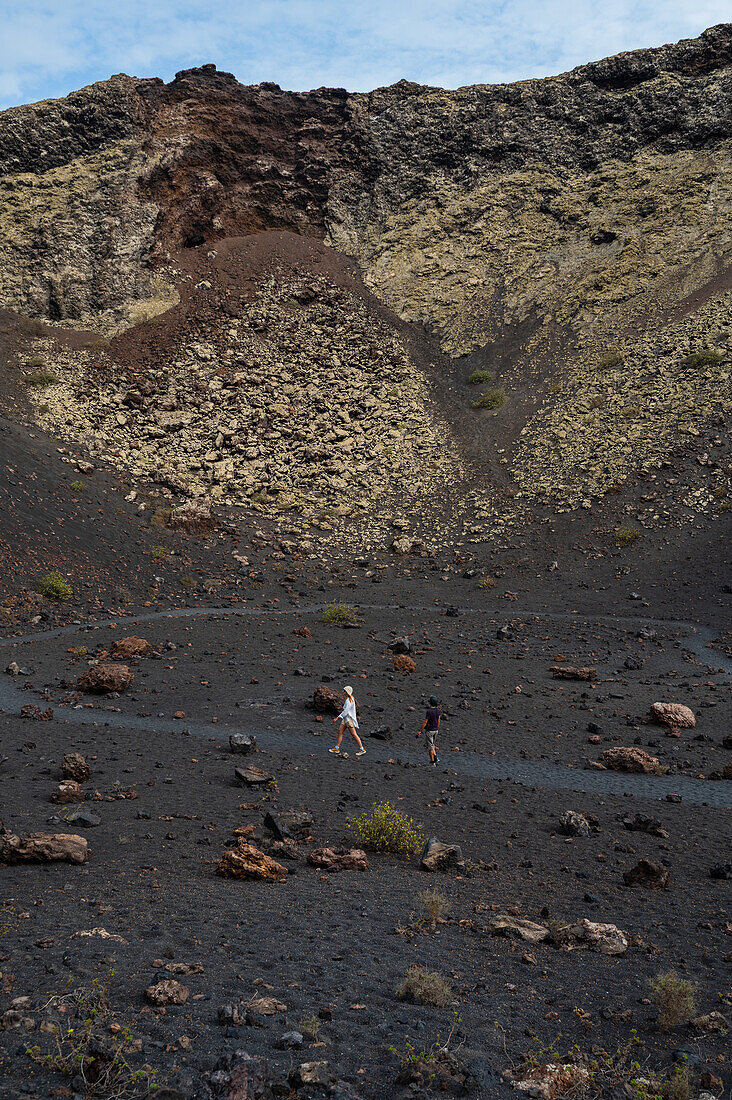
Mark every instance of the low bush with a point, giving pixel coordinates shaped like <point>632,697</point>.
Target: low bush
<point>678,1085</point>
<point>337,614</point>
<point>77,486</point>
<point>674,998</point>
<point>159,553</point>
<point>624,536</point>
<point>611,358</point>
<point>41,379</point>
<point>384,829</point>
<point>435,905</point>
<point>486,582</point>
<point>426,987</point>
<point>480,377</point>
<point>490,399</point>
<point>54,587</point>
<point>705,358</point>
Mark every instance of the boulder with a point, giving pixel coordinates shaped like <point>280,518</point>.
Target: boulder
<point>517,928</point>
<point>74,766</point>
<point>551,1080</point>
<point>102,679</point>
<point>673,715</point>
<point>314,1075</point>
<point>646,873</point>
<point>607,939</point>
<point>642,824</point>
<point>352,859</point>
<point>569,672</point>
<point>42,848</point>
<point>83,818</point>
<point>240,1076</point>
<point>289,824</point>
<point>253,777</point>
<point>194,515</point>
<point>266,1006</point>
<point>167,992</point>
<point>631,759</point>
<point>247,862</point>
<point>242,743</point>
<point>711,1022</point>
<point>400,645</point>
<point>572,823</point>
<point>302,632</point>
<point>381,733</point>
<point>68,791</point>
<point>30,710</point>
<point>124,649</point>
<point>327,700</point>
<point>405,664</point>
<point>437,856</point>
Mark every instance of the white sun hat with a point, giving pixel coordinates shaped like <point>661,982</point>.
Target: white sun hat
<point>348,690</point>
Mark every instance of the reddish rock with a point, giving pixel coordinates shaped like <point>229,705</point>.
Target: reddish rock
<point>646,873</point>
<point>42,848</point>
<point>74,766</point>
<point>302,632</point>
<point>405,664</point>
<point>126,648</point>
<point>327,700</point>
<point>352,860</point>
<point>30,710</point>
<point>102,679</point>
<point>247,862</point>
<point>569,672</point>
<point>631,759</point>
<point>167,992</point>
<point>673,715</point>
<point>69,791</point>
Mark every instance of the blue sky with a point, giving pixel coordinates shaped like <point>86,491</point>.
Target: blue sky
<point>49,49</point>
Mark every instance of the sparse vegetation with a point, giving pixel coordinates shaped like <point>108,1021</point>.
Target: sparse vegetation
<point>704,358</point>
<point>77,486</point>
<point>480,377</point>
<point>678,1085</point>
<point>674,998</point>
<point>624,536</point>
<point>187,581</point>
<point>160,518</point>
<point>338,614</point>
<point>54,587</point>
<point>83,1049</point>
<point>490,399</point>
<point>78,651</point>
<point>435,905</point>
<point>384,829</point>
<point>486,582</point>
<point>159,553</point>
<point>610,359</point>
<point>41,379</point>
<point>425,987</point>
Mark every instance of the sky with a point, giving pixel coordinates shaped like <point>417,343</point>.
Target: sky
<point>48,49</point>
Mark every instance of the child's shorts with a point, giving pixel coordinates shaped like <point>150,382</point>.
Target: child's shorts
<point>431,736</point>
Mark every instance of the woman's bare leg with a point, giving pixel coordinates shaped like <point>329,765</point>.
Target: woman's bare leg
<point>340,734</point>
<point>354,735</point>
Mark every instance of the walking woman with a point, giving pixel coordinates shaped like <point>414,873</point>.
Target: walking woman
<point>349,721</point>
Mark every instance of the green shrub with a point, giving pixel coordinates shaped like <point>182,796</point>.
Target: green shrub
<point>77,486</point>
<point>624,536</point>
<point>674,998</point>
<point>480,377</point>
<point>337,614</point>
<point>490,399</point>
<point>611,358</point>
<point>41,379</point>
<point>678,1085</point>
<point>54,587</point>
<point>78,651</point>
<point>705,358</point>
<point>384,829</point>
<point>187,581</point>
<point>426,987</point>
<point>486,582</point>
<point>159,552</point>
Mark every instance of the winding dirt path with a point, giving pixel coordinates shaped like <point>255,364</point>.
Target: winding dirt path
<point>527,773</point>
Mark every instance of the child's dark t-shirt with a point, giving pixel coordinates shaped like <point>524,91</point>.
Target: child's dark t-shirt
<point>433,718</point>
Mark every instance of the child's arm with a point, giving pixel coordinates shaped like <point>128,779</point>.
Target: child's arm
<point>421,727</point>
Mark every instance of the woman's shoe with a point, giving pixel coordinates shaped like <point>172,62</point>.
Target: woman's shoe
<point>361,752</point>
<point>336,750</point>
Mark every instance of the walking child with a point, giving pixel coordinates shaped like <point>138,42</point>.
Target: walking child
<point>349,721</point>
<point>430,726</point>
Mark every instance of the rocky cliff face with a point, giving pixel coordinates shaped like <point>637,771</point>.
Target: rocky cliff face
<point>571,235</point>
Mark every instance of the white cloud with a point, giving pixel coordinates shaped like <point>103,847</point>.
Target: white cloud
<point>308,43</point>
